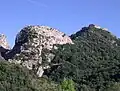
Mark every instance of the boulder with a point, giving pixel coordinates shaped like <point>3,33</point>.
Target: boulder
<point>30,43</point>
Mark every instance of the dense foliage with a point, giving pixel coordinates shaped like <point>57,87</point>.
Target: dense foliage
<point>113,87</point>
<point>16,78</point>
<point>93,62</point>
<point>67,85</point>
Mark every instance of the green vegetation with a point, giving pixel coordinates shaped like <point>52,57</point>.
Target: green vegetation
<point>67,85</point>
<point>113,87</point>
<point>93,62</point>
<point>16,78</point>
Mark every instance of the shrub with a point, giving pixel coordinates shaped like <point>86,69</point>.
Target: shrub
<point>113,87</point>
<point>67,85</point>
<point>17,78</point>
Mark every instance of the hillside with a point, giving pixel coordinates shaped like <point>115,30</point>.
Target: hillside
<point>93,62</point>
<point>45,59</point>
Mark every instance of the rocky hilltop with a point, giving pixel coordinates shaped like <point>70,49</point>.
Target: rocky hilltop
<point>88,60</point>
<point>30,43</point>
<point>93,62</point>
<point>33,44</point>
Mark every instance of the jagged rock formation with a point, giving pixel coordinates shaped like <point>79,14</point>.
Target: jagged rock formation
<point>3,41</point>
<point>30,43</point>
<point>4,46</point>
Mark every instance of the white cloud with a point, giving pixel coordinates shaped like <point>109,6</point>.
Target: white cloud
<point>38,3</point>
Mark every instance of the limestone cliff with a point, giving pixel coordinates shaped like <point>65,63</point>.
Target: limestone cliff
<point>30,42</point>
<point>3,41</point>
<point>4,46</point>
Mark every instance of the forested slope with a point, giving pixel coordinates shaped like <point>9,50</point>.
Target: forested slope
<point>92,62</point>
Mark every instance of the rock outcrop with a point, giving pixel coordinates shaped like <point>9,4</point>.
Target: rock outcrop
<point>98,27</point>
<point>4,46</point>
<point>3,41</point>
<point>30,43</point>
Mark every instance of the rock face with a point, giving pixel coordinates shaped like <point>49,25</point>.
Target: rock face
<point>96,26</point>
<point>3,41</point>
<point>4,47</point>
<point>29,44</point>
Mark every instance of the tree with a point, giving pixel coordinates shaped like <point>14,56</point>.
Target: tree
<point>67,85</point>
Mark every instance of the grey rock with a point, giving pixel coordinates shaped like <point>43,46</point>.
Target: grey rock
<point>3,52</point>
<point>4,46</point>
<point>3,41</point>
<point>29,44</point>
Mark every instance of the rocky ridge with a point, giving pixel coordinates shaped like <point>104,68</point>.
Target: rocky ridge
<point>30,43</point>
<point>32,47</point>
<point>92,61</point>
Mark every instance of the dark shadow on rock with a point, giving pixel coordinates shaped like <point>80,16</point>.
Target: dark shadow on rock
<point>10,54</point>
<point>3,52</point>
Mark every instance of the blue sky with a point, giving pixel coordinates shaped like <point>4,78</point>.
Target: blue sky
<point>66,15</point>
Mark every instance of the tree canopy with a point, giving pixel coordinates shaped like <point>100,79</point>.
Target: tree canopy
<point>92,61</point>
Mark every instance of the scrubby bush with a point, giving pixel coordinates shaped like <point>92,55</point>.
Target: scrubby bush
<point>17,78</point>
<point>113,87</point>
<point>67,85</point>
